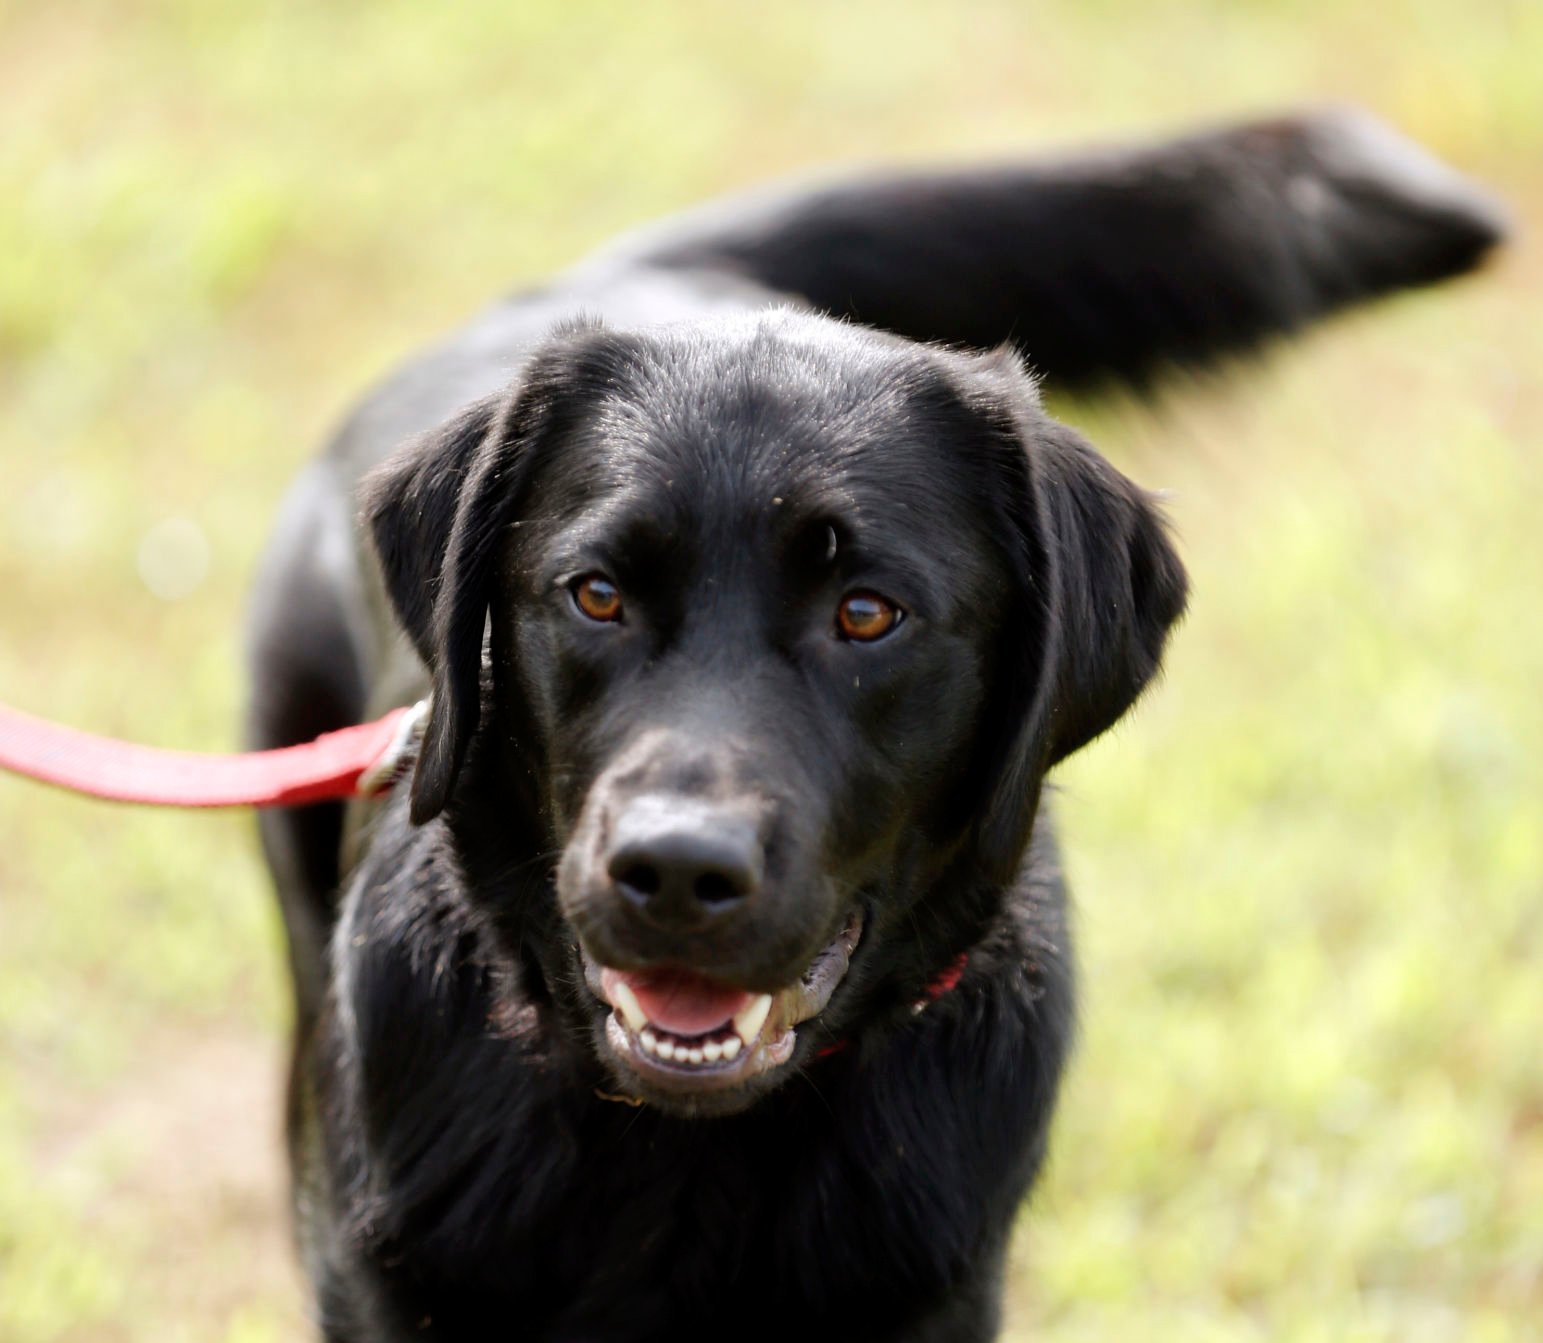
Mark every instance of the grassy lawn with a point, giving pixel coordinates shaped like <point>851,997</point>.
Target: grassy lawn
<point>1308,1102</point>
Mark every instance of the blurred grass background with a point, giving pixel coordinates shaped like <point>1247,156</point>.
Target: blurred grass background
<point>1308,1102</point>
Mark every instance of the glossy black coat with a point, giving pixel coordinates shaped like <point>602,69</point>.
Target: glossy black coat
<point>683,413</point>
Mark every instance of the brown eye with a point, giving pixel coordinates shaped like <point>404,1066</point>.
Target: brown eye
<point>597,598</point>
<point>866,616</point>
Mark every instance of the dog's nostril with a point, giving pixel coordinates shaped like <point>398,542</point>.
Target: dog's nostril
<point>714,888</point>
<point>681,861</point>
<point>639,877</point>
<point>644,880</point>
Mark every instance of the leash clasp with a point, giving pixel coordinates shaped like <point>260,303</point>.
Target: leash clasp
<point>399,755</point>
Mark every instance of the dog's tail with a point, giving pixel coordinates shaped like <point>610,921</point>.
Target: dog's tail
<point>1112,264</point>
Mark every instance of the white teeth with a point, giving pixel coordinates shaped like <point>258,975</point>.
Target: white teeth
<point>626,1002</point>
<point>723,1046</point>
<point>749,1021</point>
<point>680,1052</point>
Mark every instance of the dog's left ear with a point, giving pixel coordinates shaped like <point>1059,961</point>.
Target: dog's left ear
<point>1099,588</point>
<point>436,511</point>
<point>1117,588</point>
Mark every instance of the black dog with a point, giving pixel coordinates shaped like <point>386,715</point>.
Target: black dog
<point>752,634</point>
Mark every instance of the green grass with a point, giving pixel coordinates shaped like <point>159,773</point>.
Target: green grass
<point>1308,1102</point>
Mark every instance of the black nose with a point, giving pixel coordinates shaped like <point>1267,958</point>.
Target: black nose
<point>683,861</point>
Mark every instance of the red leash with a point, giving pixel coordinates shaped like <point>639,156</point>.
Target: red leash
<point>360,761</point>
<point>356,761</point>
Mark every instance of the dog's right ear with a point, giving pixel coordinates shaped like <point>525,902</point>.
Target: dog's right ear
<point>435,512</point>
<point>410,503</point>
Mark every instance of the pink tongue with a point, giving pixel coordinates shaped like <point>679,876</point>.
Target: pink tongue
<point>679,1001</point>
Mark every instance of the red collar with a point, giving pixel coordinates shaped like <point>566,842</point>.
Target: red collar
<point>943,982</point>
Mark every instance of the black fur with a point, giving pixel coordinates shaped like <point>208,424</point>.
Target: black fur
<point>475,1155</point>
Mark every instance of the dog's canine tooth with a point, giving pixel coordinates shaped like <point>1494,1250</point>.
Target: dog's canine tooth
<point>626,1002</point>
<point>750,1019</point>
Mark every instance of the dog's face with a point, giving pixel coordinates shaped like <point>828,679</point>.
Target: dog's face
<point>787,621</point>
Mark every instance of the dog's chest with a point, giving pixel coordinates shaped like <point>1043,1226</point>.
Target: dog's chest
<point>627,1226</point>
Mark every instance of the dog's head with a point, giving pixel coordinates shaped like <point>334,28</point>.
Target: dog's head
<point>761,634</point>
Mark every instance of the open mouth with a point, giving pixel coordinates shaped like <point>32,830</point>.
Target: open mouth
<point>685,1032</point>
